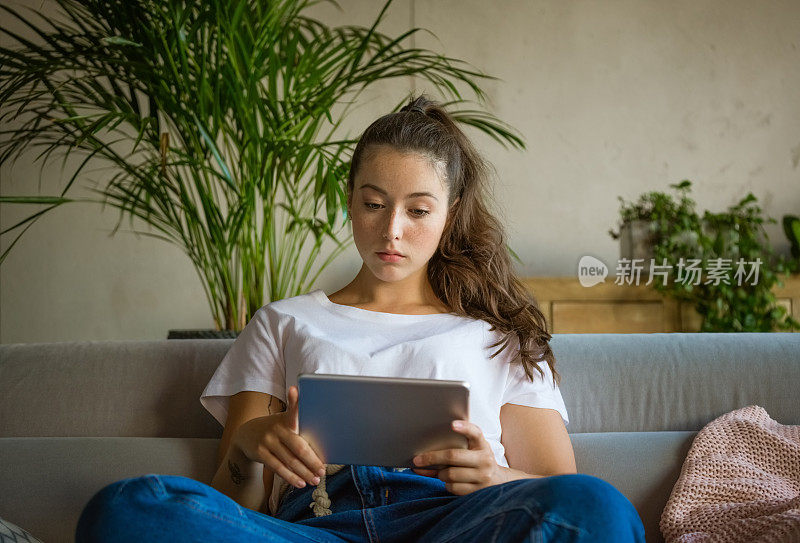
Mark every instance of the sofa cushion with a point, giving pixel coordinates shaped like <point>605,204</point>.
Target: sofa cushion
<point>11,533</point>
<point>108,388</point>
<point>642,465</point>
<point>675,382</point>
<point>47,481</point>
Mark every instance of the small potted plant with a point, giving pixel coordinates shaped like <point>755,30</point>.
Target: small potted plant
<point>653,212</point>
<point>677,234</point>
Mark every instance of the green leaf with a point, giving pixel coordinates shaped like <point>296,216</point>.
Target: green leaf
<point>117,40</point>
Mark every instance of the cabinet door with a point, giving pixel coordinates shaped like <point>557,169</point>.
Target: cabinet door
<point>608,317</point>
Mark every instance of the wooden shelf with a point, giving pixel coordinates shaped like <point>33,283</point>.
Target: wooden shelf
<point>610,308</point>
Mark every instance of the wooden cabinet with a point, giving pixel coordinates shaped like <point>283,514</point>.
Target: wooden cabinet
<point>611,308</point>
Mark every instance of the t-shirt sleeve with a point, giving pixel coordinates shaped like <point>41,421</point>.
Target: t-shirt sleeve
<point>542,392</point>
<point>253,362</point>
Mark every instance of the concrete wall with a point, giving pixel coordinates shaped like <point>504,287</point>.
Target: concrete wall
<point>614,98</point>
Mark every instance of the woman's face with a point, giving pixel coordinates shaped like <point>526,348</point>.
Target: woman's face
<point>399,204</point>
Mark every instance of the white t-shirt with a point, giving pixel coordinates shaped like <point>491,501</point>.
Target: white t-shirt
<point>311,334</point>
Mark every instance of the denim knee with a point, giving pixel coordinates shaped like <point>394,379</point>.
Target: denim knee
<point>594,491</point>
<point>106,510</point>
<point>587,504</point>
<point>150,500</point>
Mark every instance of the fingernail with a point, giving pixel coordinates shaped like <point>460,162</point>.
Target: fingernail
<point>457,424</point>
<point>418,460</point>
<point>315,481</point>
<point>321,471</point>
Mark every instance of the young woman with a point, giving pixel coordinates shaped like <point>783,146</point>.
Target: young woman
<point>433,298</point>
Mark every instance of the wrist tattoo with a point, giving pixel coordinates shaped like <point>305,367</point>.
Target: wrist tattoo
<point>236,473</point>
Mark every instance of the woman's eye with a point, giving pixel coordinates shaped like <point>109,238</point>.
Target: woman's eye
<point>416,212</point>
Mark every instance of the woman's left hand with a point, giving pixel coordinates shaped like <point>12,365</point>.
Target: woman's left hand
<point>470,469</point>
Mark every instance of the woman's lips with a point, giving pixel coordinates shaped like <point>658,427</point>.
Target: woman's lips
<point>390,258</point>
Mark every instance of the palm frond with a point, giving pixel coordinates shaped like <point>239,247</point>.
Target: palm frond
<point>219,121</point>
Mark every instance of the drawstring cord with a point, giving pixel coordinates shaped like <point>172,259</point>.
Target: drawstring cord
<point>321,502</point>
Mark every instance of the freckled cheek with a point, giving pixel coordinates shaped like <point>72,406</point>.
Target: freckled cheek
<point>428,240</point>
<point>364,230</point>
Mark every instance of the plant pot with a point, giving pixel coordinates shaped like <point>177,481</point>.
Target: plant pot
<point>202,334</point>
<point>636,241</point>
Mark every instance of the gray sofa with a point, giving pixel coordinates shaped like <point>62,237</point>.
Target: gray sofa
<point>75,417</point>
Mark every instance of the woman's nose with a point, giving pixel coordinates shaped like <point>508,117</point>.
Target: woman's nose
<point>394,228</point>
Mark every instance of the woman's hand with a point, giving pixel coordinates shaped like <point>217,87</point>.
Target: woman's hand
<point>274,441</point>
<point>471,469</point>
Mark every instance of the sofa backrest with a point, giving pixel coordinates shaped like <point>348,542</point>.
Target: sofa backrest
<point>610,383</point>
<point>676,381</point>
<point>108,388</point>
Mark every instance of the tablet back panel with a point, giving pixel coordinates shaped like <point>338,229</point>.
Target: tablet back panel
<point>379,421</point>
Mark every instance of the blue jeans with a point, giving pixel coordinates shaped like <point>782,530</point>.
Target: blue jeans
<point>368,503</point>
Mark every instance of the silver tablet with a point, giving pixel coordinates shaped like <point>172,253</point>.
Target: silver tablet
<point>379,421</point>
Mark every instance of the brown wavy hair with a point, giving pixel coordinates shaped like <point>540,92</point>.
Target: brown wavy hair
<point>471,271</point>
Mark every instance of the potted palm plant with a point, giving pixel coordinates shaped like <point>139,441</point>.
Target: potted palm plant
<point>220,121</point>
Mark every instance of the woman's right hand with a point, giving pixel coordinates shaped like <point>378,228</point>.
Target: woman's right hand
<point>274,441</point>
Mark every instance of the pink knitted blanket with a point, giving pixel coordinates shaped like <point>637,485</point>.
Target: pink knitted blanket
<point>740,482</point>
